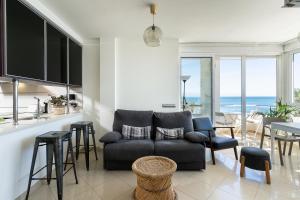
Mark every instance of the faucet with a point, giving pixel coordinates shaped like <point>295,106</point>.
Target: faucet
<point>38,114</point>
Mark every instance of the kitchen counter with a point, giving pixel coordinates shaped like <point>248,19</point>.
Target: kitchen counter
<point>16,147</point>
<point>7,126</point>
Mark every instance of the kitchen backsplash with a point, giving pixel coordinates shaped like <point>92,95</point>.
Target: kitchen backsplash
<point>26,93</point>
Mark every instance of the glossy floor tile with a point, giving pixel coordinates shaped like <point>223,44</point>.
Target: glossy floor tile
<point>217,182</point>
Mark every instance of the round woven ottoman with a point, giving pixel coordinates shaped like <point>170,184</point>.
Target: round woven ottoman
<point>154,178</point>
<point>255,158</point>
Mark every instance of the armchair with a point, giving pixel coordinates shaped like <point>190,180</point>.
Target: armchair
<point>215,143</point>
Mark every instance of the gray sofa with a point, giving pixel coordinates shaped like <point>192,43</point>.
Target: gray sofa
<point>188,153</point>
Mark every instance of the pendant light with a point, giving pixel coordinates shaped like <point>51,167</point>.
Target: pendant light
<point>153,34</point>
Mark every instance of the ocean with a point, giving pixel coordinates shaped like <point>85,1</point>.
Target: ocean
<point>233,104</point>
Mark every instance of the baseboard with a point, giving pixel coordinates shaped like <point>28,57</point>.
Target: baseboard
<point>32,189</point>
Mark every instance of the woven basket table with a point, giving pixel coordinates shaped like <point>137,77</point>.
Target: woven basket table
<point>154,178</point>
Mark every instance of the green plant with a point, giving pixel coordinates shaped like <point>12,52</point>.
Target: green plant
<point>1,119</point>
<point>58,101</point>
<point>282,111</point>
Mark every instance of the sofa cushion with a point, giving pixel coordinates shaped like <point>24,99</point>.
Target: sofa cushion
<point>174,120</point>
<point>132,118</point>
<point>180,150</point>
<point>169,134</point>
<point>223,142</point>
<point>128,150</point>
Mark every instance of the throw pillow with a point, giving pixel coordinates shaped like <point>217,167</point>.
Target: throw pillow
<point>196,137</point>
<point>136,133</point>
<point>111,137</point>
<point>169,134</point>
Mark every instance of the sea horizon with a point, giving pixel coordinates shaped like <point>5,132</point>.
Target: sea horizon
<point>232,104</point>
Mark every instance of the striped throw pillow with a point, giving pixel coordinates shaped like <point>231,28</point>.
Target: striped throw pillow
<point>169,134</point>
<point>136,133</point>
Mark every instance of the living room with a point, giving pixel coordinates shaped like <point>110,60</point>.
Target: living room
<point>149,100</point>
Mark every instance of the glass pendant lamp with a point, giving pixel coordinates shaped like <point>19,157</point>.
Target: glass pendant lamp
<point>153,34</point>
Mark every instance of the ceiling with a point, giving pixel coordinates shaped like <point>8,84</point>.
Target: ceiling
<point>188,20</point>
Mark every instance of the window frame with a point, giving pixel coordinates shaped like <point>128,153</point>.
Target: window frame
<point>292,76</point>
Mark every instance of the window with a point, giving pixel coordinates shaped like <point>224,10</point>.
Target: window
<point>230,85</point>
<point>247,88</point>
<point>260,84</point>
<point>196,78</point>
<point>296,79</point>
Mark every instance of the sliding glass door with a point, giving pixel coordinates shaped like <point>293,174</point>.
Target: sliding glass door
<point>230,102</point>
<point>260,92</point>
<point>247,88</point>
<point>260,84</point>
<point>196,85</point>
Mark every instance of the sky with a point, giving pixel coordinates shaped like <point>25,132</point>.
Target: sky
<point>191,67</point>
<point>260,76</point>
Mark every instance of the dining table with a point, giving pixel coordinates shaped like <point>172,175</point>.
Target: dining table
<point>286,128</point>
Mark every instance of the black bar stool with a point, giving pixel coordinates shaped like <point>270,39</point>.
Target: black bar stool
<point>54,146</point>
<point>87,129</point>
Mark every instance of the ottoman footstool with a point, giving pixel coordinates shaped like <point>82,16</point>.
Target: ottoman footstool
<point>255,158</point>
<point>154,181</point>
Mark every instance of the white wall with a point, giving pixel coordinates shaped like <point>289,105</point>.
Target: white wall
<point>134,76</point>
<point>147,77</point>
<point>91,81</point>
<point>107,83</point>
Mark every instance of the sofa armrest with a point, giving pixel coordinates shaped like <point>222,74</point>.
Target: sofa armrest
<point>111,137</point>
<point>196,137</point>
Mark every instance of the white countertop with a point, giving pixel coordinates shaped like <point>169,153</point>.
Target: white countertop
<point>8,127</point>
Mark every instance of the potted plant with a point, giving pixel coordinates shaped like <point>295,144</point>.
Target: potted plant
<point>281,113</point>
<point>58,104</point>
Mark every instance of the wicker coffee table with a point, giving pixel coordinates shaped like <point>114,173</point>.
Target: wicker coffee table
<point>154,175</point>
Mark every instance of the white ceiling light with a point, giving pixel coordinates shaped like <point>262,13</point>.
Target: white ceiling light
<point>153,34</point>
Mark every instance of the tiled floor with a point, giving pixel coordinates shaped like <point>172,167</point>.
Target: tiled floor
<point>220,181</point>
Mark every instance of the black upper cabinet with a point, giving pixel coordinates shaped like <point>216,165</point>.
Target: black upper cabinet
<point>56,55</point>
<point>25,42</point>
<point>75,64</point>
<point>28,38</point>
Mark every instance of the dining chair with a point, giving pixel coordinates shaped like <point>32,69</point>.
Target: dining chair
<point>267,126</point>
<point>286,139</point>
